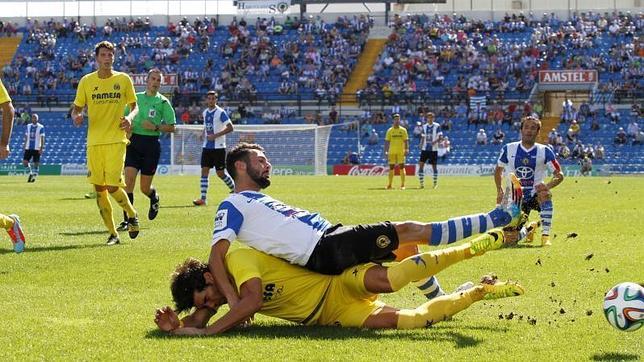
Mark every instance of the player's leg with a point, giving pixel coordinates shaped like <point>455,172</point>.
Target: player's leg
<point>403,173</point>
<point>114,164</point>
<point>220,168</point>
<point>148,170</point>
<point>11,223</point>
<point>96,177</point>
<point>36,166</point>
<point>544,197</point>
<point>444,307</point>
<point>428,264</point>
<point>25,163</point>
<point>421,171</point>
<point>132,167</point>
<point>433,160</point>
<point>207,162</point>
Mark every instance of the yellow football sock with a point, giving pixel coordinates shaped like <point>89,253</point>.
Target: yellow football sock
<point>124,202</point>
<point>438,309</point>
<point>424,265</point>
<point>403,173</point>
<point>390,176</point>
<point>6,222</point>
<point>105,208</point>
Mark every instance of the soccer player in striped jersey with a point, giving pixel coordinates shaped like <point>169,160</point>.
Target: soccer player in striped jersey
<point>308,239</point>
<point>528,160</point>
<point>11,223</point>
<point>216,124</point>
<point>34,147</point>
<point>429,149</point>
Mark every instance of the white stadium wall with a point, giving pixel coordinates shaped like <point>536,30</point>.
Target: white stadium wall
<point>161,12</point>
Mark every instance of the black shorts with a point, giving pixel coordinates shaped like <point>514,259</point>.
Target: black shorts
<point>31,154</point>
<point>143,153</point>
<point>530,203</point>
<point>342,247</point>
<point>432,156</point>
<point>214,158</point>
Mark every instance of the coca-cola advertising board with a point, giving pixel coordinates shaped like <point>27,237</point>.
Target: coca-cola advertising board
<point>369,170</point>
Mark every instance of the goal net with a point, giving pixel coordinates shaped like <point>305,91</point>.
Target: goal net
<point>292,149</point>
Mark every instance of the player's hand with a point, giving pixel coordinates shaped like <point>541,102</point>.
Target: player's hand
<point>166,319</point>
<point>148,125</point>
<point>78,119</point>
<point>247,323</point>
<point>211,137</point>
<point>499,196</point>
<point>4,152</point>
<point>40,152</point>
<point>126,124</point>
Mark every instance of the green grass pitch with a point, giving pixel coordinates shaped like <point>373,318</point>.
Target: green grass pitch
<point>69,297</point>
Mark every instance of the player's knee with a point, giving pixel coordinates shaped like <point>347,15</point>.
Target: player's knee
<point>410,231</point>
<point>406,251</point>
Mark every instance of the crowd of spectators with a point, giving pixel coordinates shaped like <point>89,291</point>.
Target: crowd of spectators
<point>458,56</point>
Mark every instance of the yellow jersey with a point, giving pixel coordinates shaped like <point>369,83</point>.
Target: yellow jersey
<point>106,100</point>
<point>4,95</point>
<point>396,138</point>
<point>290,291</point>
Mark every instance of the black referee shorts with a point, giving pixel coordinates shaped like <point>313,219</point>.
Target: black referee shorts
<point>143,153</point>
<point>31,154</point>
<point>430,156</point>
<point>213,158</point>
<point>342,247</point>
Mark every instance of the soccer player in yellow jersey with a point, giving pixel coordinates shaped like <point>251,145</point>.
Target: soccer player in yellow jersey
<point>396,150</point>
<point>106,93</point>
<point>276,288</point>
<point>10,223</point>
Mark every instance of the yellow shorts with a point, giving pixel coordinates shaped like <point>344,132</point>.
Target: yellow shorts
<point>396,158</point>
<point>105,164</point>
<point>348,303</point>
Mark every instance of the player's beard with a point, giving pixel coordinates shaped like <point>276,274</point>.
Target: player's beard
<point>262,181</point>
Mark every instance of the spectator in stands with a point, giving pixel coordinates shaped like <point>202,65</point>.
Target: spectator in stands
<point>620,137</point>
<point>373,138</point>
<point>481,137</point>
<point>612,113</point>
<point>498,137</point>
<point>418,130</point>
<point>633,129</point>
<point>594,125</point>
<point>585,166</point>
<point>578,150</point>
<point>444,146</point>
<point>573,132</point>
<point>567,110</point>
<point>351,158</point>
<point>552,137</point>
<point>589,151</point>
<point>599,151</point>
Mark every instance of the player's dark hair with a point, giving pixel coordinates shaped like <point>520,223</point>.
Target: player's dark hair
<point>241,152</point>
<point>531,118</point>
<point>186,279</point>
<point>104,44</point>
<point>213,93</point>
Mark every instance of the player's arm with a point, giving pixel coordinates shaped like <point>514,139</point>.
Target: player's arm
<point>498,173</point>
<point>250,302</point>
<point>406,146</point>
<point>498,181</point>
<point>557,175</point>
<point>42,144</point>
<point>217,267</point>
<point>229,128</point>
<point>8,113</point>
<point>126,121</point>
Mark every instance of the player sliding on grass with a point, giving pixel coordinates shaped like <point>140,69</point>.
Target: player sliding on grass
<point>275,288</point>
<point>309,240</point>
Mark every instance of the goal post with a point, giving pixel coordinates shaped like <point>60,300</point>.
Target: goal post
<point>292,149</point>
